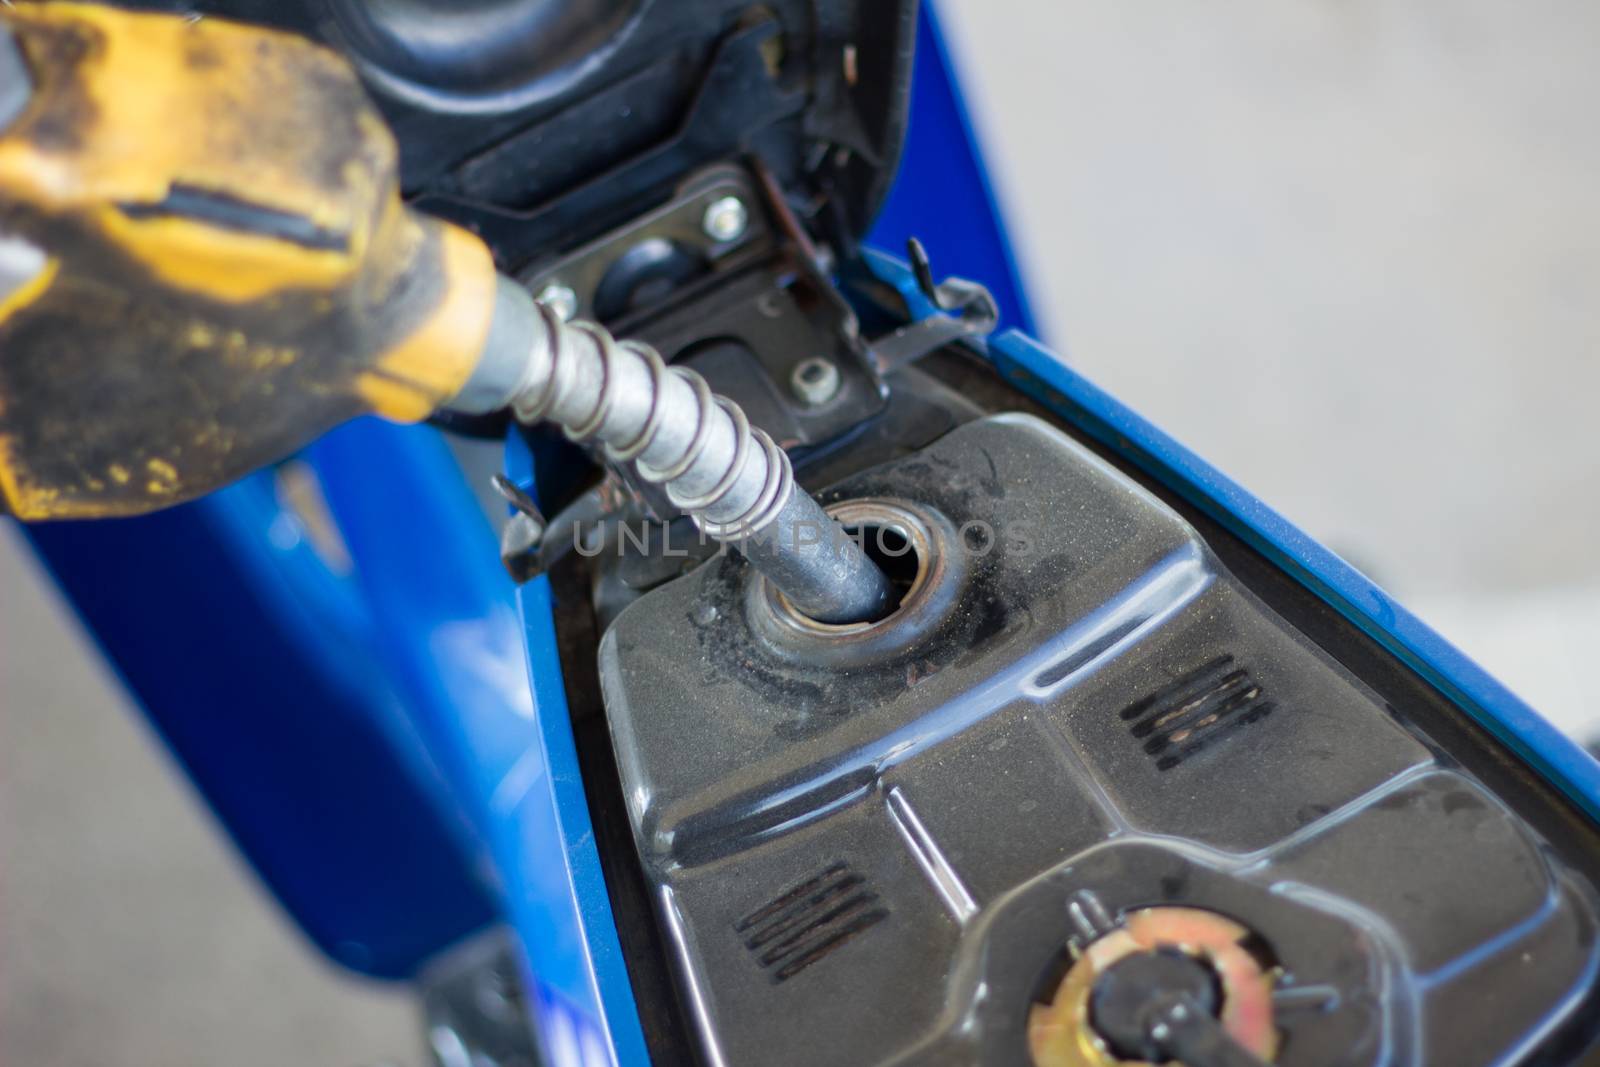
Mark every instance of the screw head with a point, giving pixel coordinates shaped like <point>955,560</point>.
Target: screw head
<point>726,219</point>
<point>560,299</point>
<point>815,381</point>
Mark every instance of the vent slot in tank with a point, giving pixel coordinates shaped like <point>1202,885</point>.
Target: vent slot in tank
<point>1203,706</point>
<point>805,923</point>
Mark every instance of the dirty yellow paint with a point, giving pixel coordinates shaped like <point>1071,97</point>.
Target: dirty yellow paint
<point>224,264</point>
<point>21,496</point>
<point>30,290</point>
<point>159,102</point>
<point>14,495</point>
<point>433,362</point>
<point>229,170</point>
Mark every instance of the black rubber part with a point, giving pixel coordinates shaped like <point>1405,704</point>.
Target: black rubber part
<point>1121,999</point>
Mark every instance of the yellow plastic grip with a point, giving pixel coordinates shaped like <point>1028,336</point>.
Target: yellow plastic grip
<point>231,269</point>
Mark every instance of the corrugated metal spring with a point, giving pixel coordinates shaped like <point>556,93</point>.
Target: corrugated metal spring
<point>729,476</point>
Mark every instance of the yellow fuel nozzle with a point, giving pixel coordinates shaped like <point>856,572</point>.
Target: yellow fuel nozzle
<point>204,260</point>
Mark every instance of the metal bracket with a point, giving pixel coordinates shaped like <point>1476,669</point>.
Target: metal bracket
<point>530,544</point>
<point>523,535</point>
<point>692,235</point>
<point>474,1007</point>
<point>968,312</point>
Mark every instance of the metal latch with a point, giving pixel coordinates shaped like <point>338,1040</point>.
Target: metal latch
<point>966,312</point>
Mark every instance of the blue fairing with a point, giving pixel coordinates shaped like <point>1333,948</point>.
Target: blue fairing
<point>260,669</point>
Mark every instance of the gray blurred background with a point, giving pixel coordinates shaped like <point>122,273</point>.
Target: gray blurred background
<point>1349,251</point>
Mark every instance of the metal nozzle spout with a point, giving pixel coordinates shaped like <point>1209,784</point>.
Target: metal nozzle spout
<point>727,475</point>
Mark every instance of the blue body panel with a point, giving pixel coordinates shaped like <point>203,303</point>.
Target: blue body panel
<point>370,740</point>
<point>475,658</point>
<point>261,670</point>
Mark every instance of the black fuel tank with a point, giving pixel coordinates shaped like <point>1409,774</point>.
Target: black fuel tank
<point>1080,738</point>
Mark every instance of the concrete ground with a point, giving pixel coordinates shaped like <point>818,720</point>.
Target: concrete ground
<point>1348,251</point>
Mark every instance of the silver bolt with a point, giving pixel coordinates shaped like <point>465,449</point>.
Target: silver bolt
<point>560,299</point>
<point>726,219</point>
<point>815,381</point>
